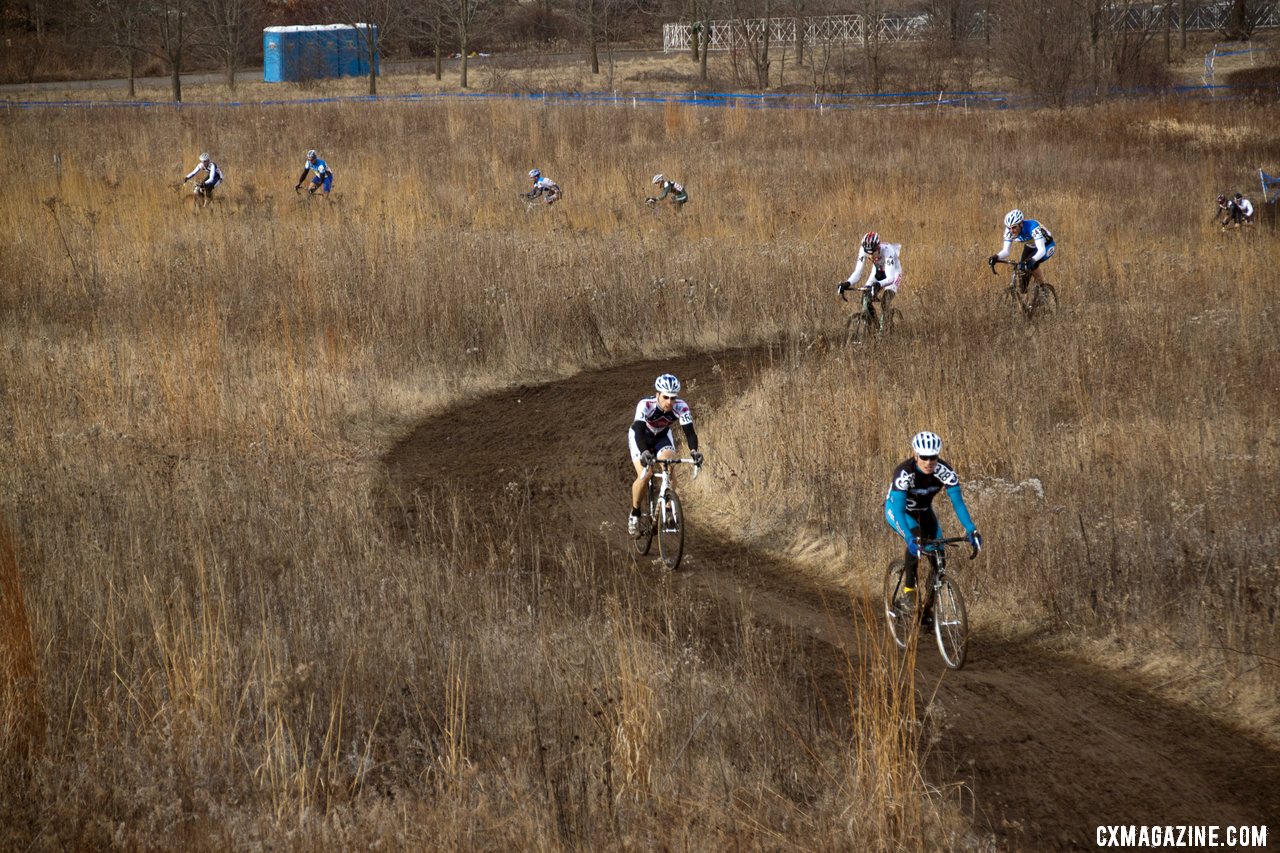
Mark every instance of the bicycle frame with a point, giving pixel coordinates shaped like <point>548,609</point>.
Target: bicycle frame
<point>1026,292</point>
<point>936,551</point>
<point>660,470</point>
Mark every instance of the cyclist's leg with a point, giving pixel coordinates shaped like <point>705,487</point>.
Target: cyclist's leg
<point>886,299</point>
<point>928,529</point>
<point>1028,252</point>
<point>642,476</point>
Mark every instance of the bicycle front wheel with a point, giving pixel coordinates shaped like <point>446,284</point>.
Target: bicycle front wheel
<point>951,624</point>
<point>645,537</point>
<point>899,623</point>
<point>670,518</point>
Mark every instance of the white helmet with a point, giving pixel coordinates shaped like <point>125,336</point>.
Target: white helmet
<point>204,157</point>
<point>1013,219</point>
<point>667,384</point>
<point>311,155</point>
<point>926,444</point>
<point>535,173</point>
<point>659,178</point>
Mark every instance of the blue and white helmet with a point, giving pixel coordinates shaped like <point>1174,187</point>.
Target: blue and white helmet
<point>204,157</point>
<point>667,384</point>
<point>659,178</point>
<point>1013,219</point>
<point>535,174</point>
<point>311,155</point>
<point>926,444</point>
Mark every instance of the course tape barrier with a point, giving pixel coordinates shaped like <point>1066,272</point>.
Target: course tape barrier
<point>759,100</point>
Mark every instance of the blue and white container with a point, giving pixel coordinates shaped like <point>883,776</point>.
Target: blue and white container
<point>318,51</point>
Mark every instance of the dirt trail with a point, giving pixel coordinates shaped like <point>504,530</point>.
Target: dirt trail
<point>1053,748</point>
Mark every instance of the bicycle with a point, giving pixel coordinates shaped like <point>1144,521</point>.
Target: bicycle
<point>944,604</point>
<point>663,514</point>
<point>1032,298</point>
<point>867,321</point>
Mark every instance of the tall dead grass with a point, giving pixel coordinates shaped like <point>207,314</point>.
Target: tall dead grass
<point>235,645</point>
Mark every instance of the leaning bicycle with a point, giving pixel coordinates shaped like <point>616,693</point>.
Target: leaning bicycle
<point>662,514</point>
<point>866,323</point>
<point>943,606</point>
<point>1025,295</point>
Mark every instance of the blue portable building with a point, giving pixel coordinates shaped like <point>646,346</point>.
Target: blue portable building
<point>312,52</point>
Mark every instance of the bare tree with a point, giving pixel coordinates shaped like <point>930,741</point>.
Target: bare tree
<point>467,18</point>
<point>382,17</point>
<point>1042,45</point>
<point>231,26</point>
<point>596,17</point>
<point>122,26</point>
<point>173,28</point>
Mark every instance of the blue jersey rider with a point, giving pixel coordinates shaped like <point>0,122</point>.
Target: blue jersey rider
<point>1038,245</point>
<point>908,507</point>
<point>649,437</point>
<point>323,174</point>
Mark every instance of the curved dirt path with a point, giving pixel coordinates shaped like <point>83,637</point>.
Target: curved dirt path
<point>1051,748</point>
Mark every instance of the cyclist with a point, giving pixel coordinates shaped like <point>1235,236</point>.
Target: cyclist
<point>323,174</point>
<point>204,188</point>
<point>677,191</point>
<point>650,437</point>
<point>1026,231</point>
<point>1226,211</point>
<point>1244,209</point>
<point>543,187</point>
<point>886,273</point>
<point>908,506</point>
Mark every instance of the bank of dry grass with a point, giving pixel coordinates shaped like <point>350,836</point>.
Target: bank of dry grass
<point>234,644</point>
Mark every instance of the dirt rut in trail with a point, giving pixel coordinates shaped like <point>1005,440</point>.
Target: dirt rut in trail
<point>1051,747</point>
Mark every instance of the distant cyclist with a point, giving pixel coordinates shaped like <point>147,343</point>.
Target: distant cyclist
<point>1037,243</point>
<point>650,437</point>
<point>676,190</point>
<point>1244,209</point>
<point>908,506</point>
<point>544,187</point>
<point>213,177</point>
<point>323,179</point>
<point>1226,213</point>
<point>884,277</point>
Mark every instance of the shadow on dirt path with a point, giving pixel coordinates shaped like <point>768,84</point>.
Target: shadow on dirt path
<point>1051,748</point>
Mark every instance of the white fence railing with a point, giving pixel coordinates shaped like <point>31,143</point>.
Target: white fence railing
<point>833,29</point>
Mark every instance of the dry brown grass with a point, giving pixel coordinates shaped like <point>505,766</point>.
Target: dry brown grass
<point>237,647</point>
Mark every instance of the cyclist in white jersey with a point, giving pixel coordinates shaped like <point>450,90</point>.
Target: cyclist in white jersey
<point>885,274</point>
<point>543,186</point>
<point>650,438</point>
<point>1028,232</point>
<point>204,188</point>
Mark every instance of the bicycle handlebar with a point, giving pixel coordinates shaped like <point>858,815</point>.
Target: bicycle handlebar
<point>696,466</point>
<point>923,543</point>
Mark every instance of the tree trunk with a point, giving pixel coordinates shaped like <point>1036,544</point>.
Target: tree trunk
<point>231,74</point>
<point>439,60</point>
<point>595,55</point>
<point>800,25</point>
<point>462,48</point>
<point>704,36</point>
<point>372,45</point>
<point>176,78</point>
<point>133,74</point>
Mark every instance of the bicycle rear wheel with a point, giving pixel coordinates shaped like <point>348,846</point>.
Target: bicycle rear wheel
<point>951,624</point>
<point>1042,300</point>
<point>899,623</point>
<point>670,520</point>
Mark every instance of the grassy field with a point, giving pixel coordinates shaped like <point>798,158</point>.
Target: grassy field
<point>216,635</point>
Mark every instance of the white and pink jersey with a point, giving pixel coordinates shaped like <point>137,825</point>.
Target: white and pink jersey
<point>887,274</point>
<point>657,420</point>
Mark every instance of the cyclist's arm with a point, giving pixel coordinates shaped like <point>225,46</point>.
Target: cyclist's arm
<point>1042,247</point>
<point>305,171</point>
<point>962,511</point>
<point>857,271</point>
<point>638,429</point>
<point>690,436</point>
<point>194,172</point>
<point>895,512</point>
<point>1003,254</point>
<point>666,188</point>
